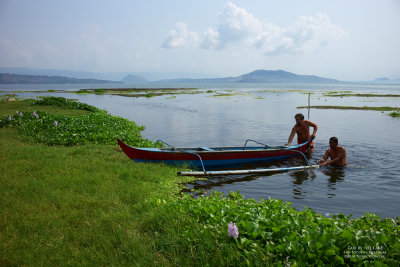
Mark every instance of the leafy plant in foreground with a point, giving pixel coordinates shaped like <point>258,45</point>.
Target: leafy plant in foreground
<point>271,231</point>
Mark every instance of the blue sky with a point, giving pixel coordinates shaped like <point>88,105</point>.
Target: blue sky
<point>342,39</point>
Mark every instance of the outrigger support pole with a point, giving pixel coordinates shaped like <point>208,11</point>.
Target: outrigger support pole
<point>251,171</point>
<point>201,160</point>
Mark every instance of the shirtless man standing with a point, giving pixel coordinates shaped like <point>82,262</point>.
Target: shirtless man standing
<point>302,129</point>
<point>336,153</point>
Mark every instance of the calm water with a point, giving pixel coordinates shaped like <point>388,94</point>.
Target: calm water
<point>265,112</point>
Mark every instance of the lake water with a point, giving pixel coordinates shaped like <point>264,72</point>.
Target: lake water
<point>265,112</point>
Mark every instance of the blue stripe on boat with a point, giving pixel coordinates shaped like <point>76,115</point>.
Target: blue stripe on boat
<point>213,163</point>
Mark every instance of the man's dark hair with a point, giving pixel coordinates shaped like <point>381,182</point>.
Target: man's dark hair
<point>334,139</point>
<point>299,115</point>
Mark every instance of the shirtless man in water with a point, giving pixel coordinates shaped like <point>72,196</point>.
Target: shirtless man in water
<point>336,153</point>
<point>302,129</point>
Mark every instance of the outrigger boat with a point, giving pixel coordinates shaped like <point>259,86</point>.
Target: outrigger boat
<point>206,158</point>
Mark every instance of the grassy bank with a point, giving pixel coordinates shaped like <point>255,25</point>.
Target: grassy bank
<point>75,205</point>
<point>86,203</point>
<point>81,205</point>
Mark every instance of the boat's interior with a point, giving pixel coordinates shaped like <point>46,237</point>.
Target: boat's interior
<point>213,149</point>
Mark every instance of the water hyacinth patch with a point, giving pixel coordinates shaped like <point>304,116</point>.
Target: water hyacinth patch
<point>95,127</point>
<point>274,233</point>
<point>64,103</point>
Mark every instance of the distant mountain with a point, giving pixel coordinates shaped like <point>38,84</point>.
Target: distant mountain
<point>385,80</point>
<point>261,76</point>
<point>258,76</point>
<point>134,79</point>
<point>113,76</point>
<point>6,78</point>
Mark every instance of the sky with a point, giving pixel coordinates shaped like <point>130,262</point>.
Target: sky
<point>350,40</point>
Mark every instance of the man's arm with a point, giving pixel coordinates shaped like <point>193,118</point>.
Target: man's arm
<point>291,136</point>
<point>341,154</point>
<point>315,127</point>
<point>324,158</point>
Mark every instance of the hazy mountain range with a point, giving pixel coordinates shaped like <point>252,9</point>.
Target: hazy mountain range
<point>262,76</point>
<point>42,76</point>
<point>6,78</point>
<point>111,76</point>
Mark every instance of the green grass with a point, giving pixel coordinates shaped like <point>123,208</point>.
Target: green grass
<point>81,205</point>
<point>76,205</point>
<point>89,205</point>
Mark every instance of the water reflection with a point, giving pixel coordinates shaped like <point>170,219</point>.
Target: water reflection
<point>298,178</point>
<point>212,182</point>
<point>216,182</point>
<point>336,175</point>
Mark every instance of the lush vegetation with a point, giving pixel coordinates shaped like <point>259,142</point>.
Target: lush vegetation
<point>58,129</point>
<point>272,232</point>
<point>78,205</point>
<point>90,205</point>
<point>63,103</point>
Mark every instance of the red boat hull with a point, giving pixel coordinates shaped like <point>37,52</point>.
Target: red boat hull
<point>215,157</point>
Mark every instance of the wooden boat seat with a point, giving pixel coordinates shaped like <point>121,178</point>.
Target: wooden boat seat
<point>206,148</point>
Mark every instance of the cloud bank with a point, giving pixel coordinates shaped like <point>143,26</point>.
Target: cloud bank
<point>180,36</point>
<point>238,26</point>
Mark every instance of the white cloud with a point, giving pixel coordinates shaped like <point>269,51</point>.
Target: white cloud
<point>309,33</point>
<point>238,26</point>
<point>211,39</point>
<point>180,36</point>
<point>273,40</point>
